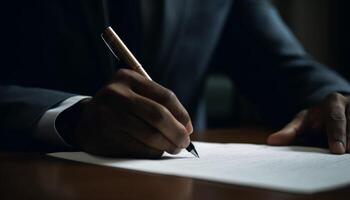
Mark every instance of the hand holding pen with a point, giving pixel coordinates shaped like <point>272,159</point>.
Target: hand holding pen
<point>120,51</point>
<point>132,116</point>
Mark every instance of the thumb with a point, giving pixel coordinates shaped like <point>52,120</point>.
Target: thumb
<point>287,134</point>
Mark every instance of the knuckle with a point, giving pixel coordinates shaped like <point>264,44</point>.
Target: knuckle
<point>122,72</point>
<point>114,89</point>
<point>335,96</point>
<point>146,81</point>
<point>144,84</point>
<point>123,75</point>
<point>184,117</point>
<point>106,92</point>
<point>337,116</point>
<point>116,94</point>
<point>168,96</point>
<point>158,115</point>
<point>111,89</point>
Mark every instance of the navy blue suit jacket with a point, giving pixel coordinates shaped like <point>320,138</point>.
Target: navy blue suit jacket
<point>51,50</point>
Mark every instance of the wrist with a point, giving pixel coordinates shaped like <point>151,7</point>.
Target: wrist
<point>67,122</point>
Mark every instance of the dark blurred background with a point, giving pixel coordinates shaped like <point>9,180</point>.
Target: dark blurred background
<point>320,25</point>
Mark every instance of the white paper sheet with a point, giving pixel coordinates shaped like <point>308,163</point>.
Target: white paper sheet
<point>291,169</point>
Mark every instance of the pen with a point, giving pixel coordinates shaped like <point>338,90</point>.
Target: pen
<point>121,51</point>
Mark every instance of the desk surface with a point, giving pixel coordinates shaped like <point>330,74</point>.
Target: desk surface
<point>36,176</point>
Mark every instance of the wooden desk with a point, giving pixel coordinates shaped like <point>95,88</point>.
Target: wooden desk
<point>36,176</point>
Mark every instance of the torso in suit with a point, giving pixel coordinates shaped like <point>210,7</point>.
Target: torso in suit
<point>56,46</point>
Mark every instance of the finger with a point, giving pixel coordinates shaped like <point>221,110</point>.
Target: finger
<point>122,99</point>
<point>159,94</point>
<point>120,145</point>
<point>126,146</point>
<point>168,99</point>
<point>348,128</point>
<point>160,118</point>
<point>287,134</point>
<point>144,133</point>
<point>336,123</point>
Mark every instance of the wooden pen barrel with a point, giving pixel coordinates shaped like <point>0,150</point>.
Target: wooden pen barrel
<point>121,51</point>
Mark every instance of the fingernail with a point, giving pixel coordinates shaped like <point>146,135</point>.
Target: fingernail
<point>338,147</point>
<point>189,127</point>
<point>187,142</point>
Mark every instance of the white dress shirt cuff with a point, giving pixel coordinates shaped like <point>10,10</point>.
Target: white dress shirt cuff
<point>46,128</point>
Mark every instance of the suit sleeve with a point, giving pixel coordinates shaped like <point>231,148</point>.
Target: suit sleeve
<point>20,110</point>
<point>46,129</point>
<point>270,66</point>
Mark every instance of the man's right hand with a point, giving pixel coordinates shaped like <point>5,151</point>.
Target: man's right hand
<point>133,117</point>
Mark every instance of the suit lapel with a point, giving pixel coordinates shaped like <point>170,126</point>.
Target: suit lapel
<point>191,31</point>
<point>173,16</point>
<point>97,21</point>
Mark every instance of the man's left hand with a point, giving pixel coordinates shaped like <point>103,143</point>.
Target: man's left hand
<point>329,120</point>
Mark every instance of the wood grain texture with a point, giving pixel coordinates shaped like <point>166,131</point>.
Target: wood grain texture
<point>36,176</point>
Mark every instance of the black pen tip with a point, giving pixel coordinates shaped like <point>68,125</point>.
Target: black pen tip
<point>192,150</point>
